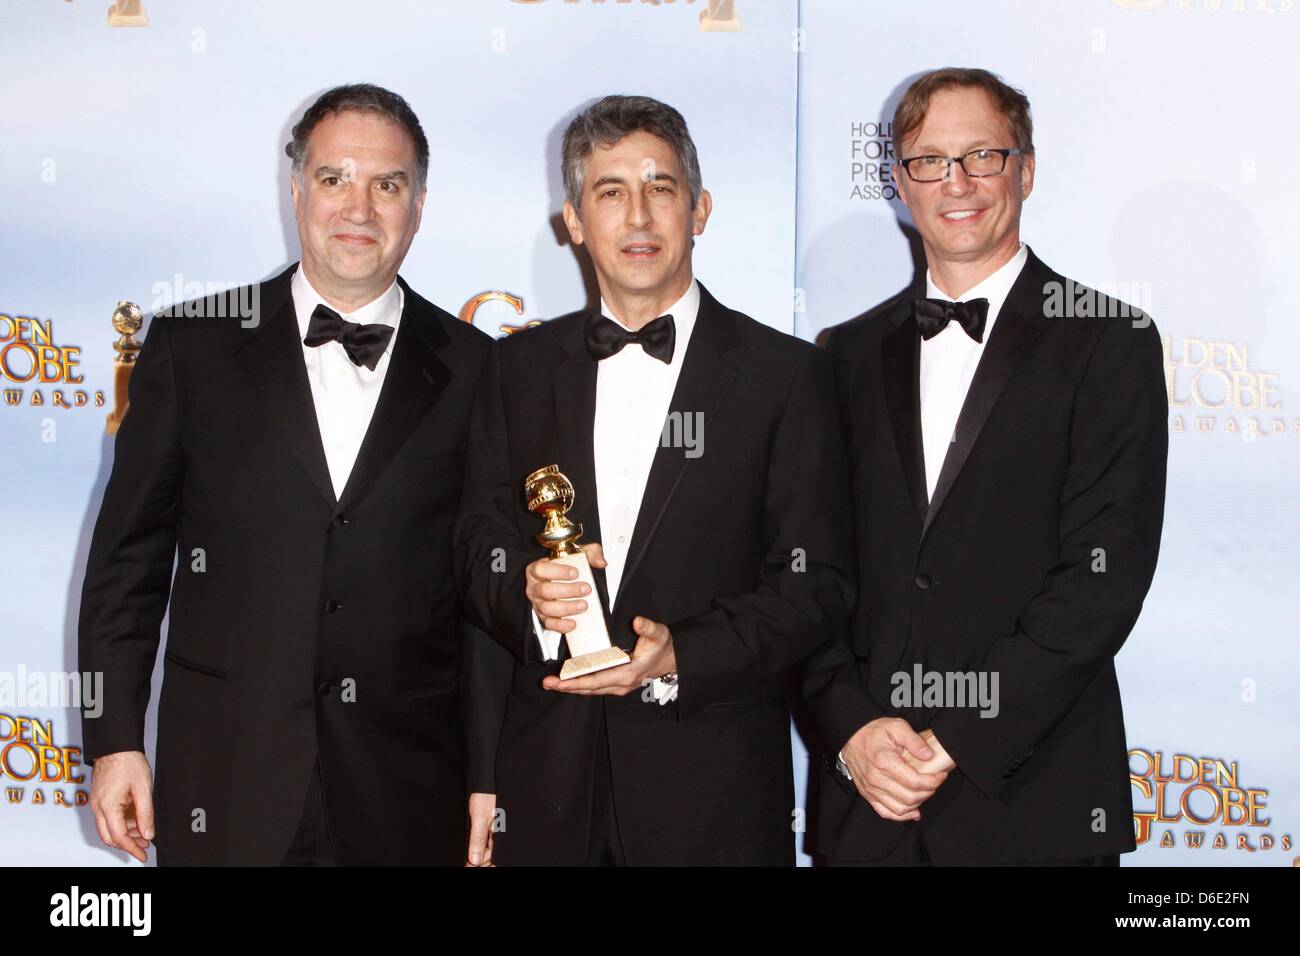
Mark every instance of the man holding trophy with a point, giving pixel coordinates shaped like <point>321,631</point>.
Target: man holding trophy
<point>697,454</point>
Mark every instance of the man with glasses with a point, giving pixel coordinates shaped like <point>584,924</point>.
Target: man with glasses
<point>1008,445</point>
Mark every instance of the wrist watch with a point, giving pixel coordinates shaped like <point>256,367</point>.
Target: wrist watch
<point>669,679</point>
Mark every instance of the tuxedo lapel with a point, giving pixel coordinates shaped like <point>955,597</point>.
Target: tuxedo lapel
<point>573,392</point>
<point>900,358</point>
<point>1014,331</point>
<point>412,384</point>
<point>273,358</point>
<point>705,376</point>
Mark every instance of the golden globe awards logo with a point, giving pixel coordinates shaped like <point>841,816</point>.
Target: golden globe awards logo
<point>871,159</point>
<point>502,302</point>
<point>1214,388</point>
<point>30,756</point>
<point>1204,799</point>
<point>30,356</point>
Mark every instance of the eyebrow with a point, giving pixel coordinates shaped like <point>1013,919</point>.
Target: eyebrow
<point>612,180</point>
<point>936,151</point>
<point>396,175</point>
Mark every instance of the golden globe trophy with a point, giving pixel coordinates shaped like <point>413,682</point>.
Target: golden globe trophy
<point>127,320</point>
<point>549,496</point>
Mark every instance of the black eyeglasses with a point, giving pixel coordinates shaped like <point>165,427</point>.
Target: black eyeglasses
<point>976,163</point>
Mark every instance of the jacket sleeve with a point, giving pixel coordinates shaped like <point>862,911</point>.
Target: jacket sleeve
<point>1111,513</point>
<point>128,572</point>
<point>490,555</point>
<point>488,671</point>
<point>805,586</point>
<point>830,682</point>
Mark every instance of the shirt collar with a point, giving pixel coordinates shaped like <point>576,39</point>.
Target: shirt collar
<point>387,308</point>
<point>684,312</point>
<point>995,287</point>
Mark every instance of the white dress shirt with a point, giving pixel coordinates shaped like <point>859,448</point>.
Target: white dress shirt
<point>948,363</point>
<point>633,392</point>
<point>344,393</point>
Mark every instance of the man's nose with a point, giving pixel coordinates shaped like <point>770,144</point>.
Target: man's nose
<point>955,181</point>
<point>359,205</point>
<point>638,211</point>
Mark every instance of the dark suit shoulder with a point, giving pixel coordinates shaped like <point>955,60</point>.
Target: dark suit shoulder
<point>462,334</point>
<point>871,326</point>
<point>221,320</point>
<point>563,332</point>
<point>1087,316</point>
<point>767,340</point>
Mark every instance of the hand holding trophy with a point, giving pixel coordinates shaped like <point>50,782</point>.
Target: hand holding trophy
<point>550,495</point>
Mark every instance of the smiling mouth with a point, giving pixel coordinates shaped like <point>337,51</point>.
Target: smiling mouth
<point>641,250</point>
<point>961,215</point>
<point>355,239</point>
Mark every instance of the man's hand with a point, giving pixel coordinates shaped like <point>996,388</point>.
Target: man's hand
<point>121,796</point>
<point>555,592</point>
<point>878,759</point>
<point>939,763</point>
<point>482,808</point>
<point>652,657</point>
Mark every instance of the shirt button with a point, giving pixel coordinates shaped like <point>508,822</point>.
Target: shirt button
<point>923,582</point>
<point>620,539</point>
<point>340,521</point>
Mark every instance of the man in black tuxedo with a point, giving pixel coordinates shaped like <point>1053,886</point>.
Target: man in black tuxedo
<point>1008,460</point>
<point>306,456</point>
<point>723,559</point>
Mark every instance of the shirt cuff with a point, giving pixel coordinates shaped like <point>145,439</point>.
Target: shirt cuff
<point>663,693</point>
<point>549,640</point>
<point>841,766</point>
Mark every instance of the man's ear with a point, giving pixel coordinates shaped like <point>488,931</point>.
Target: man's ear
<point>900,176</point>
<point>1027,166</point>
<point>293,190</point>
<point>703,208</point>
<point>574,223</point>
<point>419,207</point>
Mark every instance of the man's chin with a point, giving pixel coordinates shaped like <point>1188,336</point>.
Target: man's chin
<point>354,269</point>
<point>638,281</point>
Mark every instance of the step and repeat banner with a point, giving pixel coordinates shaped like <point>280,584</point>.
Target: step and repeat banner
<point>143,162</point>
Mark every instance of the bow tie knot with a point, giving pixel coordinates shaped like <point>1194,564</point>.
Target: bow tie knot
<point>933,316</point>
<point>365,344</point>
<point>605,337</point>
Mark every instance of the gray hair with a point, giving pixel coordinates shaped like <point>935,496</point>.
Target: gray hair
<point>362,98</point>
<point>610,119</point>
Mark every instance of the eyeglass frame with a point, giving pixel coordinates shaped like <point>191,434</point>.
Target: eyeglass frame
<point>961,161</point>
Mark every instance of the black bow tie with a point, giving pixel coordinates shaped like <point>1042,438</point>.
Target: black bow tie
<point>933,316</point>
<point>364,344</point>
<point>605,337</point>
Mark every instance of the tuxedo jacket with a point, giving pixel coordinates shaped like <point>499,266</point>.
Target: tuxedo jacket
<point>302,627</point>
<point>1032,561</point>
<point>740,551</point>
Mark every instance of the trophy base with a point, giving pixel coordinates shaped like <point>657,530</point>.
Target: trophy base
<point>719,25</point>
<point>116,19</point>
<point>600,660</point>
